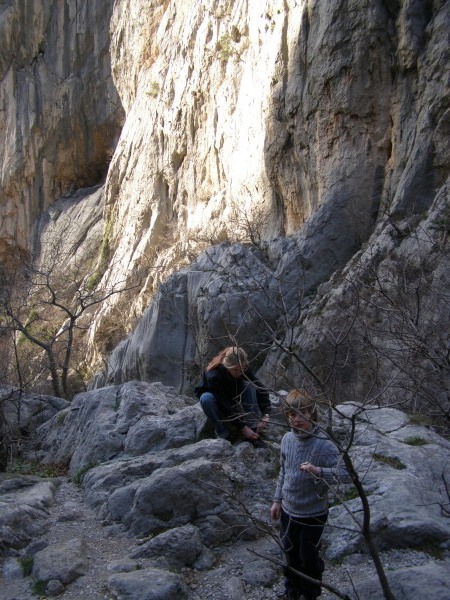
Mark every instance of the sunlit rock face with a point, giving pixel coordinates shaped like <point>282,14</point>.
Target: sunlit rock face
<point>240,122</point>
<point>265,110</point>
<point>242,119</point>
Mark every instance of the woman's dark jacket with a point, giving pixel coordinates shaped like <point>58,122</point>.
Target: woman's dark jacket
<point>228,389</point>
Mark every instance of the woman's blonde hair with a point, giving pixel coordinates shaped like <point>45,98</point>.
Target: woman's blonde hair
<point>301,401</point>
<point>229,357</point>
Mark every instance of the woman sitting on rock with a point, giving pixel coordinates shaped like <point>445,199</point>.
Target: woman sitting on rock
<point>230,394</point>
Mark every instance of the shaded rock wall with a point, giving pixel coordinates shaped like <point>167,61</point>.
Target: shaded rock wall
<point>61,113</point>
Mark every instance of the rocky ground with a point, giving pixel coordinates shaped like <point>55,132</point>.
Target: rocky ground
<point>238,573</point>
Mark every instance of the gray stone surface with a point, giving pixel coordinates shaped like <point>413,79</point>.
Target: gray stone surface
<point>12,569</point>
<point>54,587</point>
<point>64,562</point>
<point>175,548</point>
<point>428,581</point>
<point>24,505</point>
<point>21,413</point>
<point>27,411</point>
<point>403,481</point>
<point>147,584</point>
<point>226,289</point>
<point>107,423</point>
<point>53,96</point>
<point>184,508</point>
<point>348,146</point>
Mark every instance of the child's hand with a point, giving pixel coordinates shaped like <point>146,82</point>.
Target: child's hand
<point>275,511</point>
<point>310,468</point>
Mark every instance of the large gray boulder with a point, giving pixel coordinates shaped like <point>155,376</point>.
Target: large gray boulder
<point>23,412</point>
<point>428,581</point>
<point>147,584</point>
<point>192,315</point>
<point>24,510</point>
<point>176,548</point>
<point>61,562</point>
<point>130,419</point>
<point>403,468</point>
<point>167,489</point>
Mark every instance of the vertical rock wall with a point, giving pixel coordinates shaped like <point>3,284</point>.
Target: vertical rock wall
<point>242,121</point>
<point>61,113</point>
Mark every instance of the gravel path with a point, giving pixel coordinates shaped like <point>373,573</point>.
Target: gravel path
<point>227,580</point>
<point>71,518</point>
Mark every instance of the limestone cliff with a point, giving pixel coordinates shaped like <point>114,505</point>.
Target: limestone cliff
<point>61,113</point>
<point>242,121</point>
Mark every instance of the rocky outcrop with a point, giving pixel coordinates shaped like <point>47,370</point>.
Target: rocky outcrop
<point>115,421</point>
<point>396,459</point>
<point>378,327</point>
<point>24,413</point>
<point>20,415</point>
<point>183,506</point>
<point>69,233</point>
<point>375,329</point>
<point>256,117</point>
<point>24,502</point>
<point>224,292</point>
<point>157,478</point>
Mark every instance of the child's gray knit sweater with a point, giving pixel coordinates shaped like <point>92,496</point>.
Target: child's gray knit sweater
<point>300,493</point>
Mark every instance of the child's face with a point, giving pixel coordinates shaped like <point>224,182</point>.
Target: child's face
<point>300,420</point>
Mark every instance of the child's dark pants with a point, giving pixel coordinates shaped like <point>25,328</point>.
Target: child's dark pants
<point>301,544</point>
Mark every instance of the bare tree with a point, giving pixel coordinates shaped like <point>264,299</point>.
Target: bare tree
<point>382,340</point>
<point>46,305</point>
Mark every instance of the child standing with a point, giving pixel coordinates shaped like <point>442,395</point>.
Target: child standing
<point>309,462</point>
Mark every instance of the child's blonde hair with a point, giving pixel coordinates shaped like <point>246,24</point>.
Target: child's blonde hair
<point>300,401</point>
